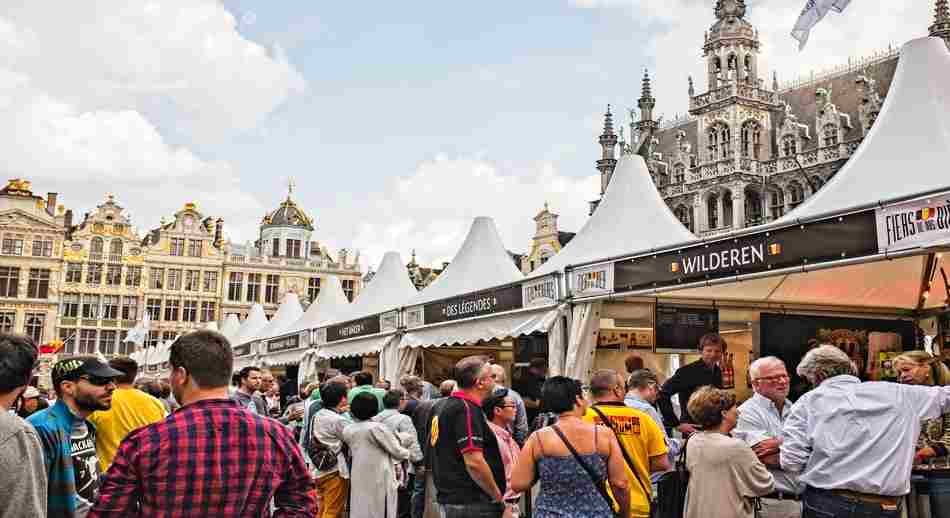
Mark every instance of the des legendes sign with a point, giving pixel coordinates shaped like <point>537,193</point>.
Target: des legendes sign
<point>474,305</point>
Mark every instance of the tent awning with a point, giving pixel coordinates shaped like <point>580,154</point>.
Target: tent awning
<point>284,358</point>
<point>522,322</point>
<point>355,347</point>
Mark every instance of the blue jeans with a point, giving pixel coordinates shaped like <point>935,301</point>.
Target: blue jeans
<point>475,510</point>
<point>940,497</point>
<point>419,495</point>
<point>818,503</point>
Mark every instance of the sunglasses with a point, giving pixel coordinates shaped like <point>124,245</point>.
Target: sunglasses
<point>97,380</point>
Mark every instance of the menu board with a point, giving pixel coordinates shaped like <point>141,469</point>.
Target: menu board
<point>679,328</point>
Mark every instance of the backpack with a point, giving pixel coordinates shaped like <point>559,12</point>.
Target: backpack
<point>321,456</point>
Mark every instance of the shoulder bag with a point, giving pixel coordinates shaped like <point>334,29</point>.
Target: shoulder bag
<point>671,488</point>
<point>600,483</point>
<point>647,490</point>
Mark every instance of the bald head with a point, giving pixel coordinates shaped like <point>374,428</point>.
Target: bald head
<point>498,372</point>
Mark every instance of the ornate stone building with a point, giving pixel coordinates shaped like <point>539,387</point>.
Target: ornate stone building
<point>102,284</point>
<point>32,231</point>
<point>748,152</point>
<point>184,259</point>
<point>547,240</point>
<point>283,259</point>
<point>422,276</point>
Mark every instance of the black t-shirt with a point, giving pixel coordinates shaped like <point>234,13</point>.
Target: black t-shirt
<point>460,427</point>
<point>529,387</point>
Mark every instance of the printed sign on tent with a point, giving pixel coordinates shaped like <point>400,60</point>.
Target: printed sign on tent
<point>913,223</point>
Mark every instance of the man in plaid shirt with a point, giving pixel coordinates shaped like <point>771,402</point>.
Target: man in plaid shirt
<point>209,458</point>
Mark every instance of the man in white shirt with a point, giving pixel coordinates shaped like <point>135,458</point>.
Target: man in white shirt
<point>760,424</point>
<point>853,443</point>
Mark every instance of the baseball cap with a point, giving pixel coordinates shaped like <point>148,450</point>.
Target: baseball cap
<point>70,369</point>
<point>31,393</point>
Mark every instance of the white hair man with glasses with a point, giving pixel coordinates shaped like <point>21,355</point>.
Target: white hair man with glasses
<point>761,419</point>
<point>853,443</point>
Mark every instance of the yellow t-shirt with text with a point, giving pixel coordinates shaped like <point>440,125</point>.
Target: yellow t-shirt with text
<point>131,410</point>
<point>642,438</point>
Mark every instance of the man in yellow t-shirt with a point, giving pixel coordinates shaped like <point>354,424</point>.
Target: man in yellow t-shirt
<point>131,410</point>
<point>637,433</point>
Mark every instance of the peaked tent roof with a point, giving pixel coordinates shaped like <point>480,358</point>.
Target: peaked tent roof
<point>255,321</point>
<point>481,262</point>
<point>230,327</point>
<point>909,144</point>
<point>329,304</point>
<point>288,313</point>
<point>631,217</point>
<point>391,289</point>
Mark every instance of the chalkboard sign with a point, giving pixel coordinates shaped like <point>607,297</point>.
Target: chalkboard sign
<point>678,328</point>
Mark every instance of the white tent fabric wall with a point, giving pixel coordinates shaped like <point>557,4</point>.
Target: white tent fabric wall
<point>631,217</point>
<point>287,314</point>
<point>557,341</point>
<point>390,290</point>
<point>329,304</point>
<point>485,328</point>
<point>395,362</point>
<point>482,262</point>
<point>907,150</point>
<point>230,327</point>
<point>255,321</point>
<point>307,370</point>
<point>211,326</point>
<point>580,351</point>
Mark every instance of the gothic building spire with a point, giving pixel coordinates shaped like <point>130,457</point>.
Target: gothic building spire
<point>646,102</point>
<point>941,26</point>
<point>608,145</point>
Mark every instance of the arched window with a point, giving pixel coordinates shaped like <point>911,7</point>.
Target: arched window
<point>679,173</point>
<point>796,194</point>
<point>751,139</point>
<point>684,215</point>
<point>789,145</point>
<point>725,150</point>
<point>753,207</point>
<point>115,248</point>
<point>712,212</point>
<point>727,209</point>
<point>748,69</point>
<point>95,248</point>
<point>713,138</point>
<point>830,135</point>
<point>777,204</point>
<point>717,66</point>
<point>818,182</point>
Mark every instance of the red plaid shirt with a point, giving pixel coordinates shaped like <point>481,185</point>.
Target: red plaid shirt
<point>210,458</point>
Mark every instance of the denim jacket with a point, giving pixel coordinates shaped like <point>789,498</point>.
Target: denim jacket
<point>54,426</point>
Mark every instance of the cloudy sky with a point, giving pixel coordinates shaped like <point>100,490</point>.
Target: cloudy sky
<point>399,121</point>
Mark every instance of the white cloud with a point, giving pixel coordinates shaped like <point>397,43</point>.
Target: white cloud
<point>433,208</point>
<point>678,26</point>
<point>180,60</point>
<point>84,95</point>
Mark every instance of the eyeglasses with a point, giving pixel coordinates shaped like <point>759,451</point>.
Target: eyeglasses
<point>97,380</point>
<point>773,379</point>
<point>509,406</point>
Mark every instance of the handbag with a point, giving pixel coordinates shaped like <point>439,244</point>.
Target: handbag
<point>671,488</point>
<point>600,483</point>
<point>626,457</point>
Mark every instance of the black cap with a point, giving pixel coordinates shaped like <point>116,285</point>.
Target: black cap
<point>70,369</point>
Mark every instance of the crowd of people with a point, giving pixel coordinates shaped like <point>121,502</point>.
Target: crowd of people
<point>211,442</point>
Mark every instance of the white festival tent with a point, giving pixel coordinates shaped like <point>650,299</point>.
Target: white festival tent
<point>389,290</point>
<point>211,326</point>
<point>631,216</point>
<point>287,314</point>
<point>900,166</point>
<point>230,327</point>
<point>242,343</point>
<point>330,303</point>
<point>872,241</point>
<point>482,263</point>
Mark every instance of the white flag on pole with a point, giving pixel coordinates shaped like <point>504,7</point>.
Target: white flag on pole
<point>139,333</point>
<point>813,13</point>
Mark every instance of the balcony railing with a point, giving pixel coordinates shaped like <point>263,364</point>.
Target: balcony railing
<point>742,91</point>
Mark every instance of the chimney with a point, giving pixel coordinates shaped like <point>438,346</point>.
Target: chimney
<point>68,220</point>
<point>51,203</point>
<point>218,231</point>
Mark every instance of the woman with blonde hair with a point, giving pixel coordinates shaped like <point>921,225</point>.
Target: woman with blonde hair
<point>933,443</point>
<point>725,475</point>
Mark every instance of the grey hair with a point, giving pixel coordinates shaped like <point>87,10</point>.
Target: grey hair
<point>823,362</point>
<point>757,365</point>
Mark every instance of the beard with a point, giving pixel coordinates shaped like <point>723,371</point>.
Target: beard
<point>90,403</point>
